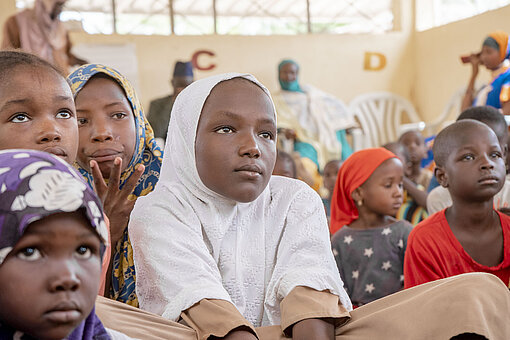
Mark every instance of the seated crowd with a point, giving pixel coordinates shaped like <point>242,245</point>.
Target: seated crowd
<point>245,226</point>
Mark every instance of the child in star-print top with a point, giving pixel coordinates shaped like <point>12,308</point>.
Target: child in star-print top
<point>369,247</point>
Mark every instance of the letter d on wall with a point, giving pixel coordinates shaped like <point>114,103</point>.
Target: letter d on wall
<point>374,61</point>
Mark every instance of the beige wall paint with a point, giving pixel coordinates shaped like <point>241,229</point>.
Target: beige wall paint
<point>439,72</point>
<point>7,8</point>
<point>334,63</point>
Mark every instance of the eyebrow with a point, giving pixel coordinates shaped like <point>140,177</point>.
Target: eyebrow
<point>106,106</point>
<point>28,100</point>
<point>238,116</point>
<point>46,233</point>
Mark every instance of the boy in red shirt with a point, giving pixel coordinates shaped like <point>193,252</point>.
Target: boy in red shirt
<point>469,236</point>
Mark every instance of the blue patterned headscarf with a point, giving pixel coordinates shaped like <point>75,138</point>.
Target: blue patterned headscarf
<point>34,185</point>
<point>148,153</point>
<point>292,86</point>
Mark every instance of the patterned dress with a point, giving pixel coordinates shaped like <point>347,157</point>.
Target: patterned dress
<point>371,261</point>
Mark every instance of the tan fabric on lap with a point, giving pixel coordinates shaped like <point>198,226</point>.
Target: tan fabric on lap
<point>475,302</point>
<point>307,303</point>
<point>214,317</point>
<point>140,324</point>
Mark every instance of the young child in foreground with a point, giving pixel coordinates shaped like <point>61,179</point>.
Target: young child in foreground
<point>439,198</point>
<point>37,112</point>
<point>469,236</point>
<point>52,236</point>
<point>221,243</point>
<point>369,248</point>
<point>117,147</point>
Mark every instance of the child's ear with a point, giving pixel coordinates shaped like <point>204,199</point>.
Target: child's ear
<point>357,194</point>
<point>441,176</point>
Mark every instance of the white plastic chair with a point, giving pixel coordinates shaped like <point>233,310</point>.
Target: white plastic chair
<point>379,115</point>
<point>450,112</point>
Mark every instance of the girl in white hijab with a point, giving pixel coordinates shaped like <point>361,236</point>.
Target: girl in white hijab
<point>222,244</point>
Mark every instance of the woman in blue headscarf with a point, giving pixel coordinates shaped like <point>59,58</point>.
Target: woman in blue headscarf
<point>495,57</point>
<point>314,119</point>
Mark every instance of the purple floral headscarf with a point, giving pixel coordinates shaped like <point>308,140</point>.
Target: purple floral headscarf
<point>34,185</point>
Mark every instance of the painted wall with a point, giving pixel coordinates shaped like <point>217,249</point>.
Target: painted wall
<point>439,72</point>
<point>333,63</point>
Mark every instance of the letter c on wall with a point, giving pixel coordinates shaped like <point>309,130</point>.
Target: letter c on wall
<point>370,65</point>
<point>197,66</point>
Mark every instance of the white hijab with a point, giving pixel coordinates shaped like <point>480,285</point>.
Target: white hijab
<point>190,243</point>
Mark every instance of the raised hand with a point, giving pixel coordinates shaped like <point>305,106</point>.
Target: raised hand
<point>117,203</point>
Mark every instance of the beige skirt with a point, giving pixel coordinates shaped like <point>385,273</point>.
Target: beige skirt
<point>469,303</point>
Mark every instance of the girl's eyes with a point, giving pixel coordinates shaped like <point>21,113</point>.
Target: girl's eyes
<point>468,157</point>
<point>84,252</point>
<point>29,254</point>
<point>266,135</point>
<point>496,154</point>
<point>224,129</point>
<point>64,115</point>
<point>82,121</point>
<point>19,118</point>
<point>119,115</point>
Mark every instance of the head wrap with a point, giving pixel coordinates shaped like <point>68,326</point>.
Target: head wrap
<point>147,152</point>
<point>35,185</point>
<point>292,86</point>
<point>183,69</point>
<point>185,246</point>
<point>500,39</point>
<point>353,173</point>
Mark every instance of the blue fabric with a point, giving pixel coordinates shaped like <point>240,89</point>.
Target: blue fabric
<point>494,96</point>
<point>433,184</point>
<point>341,135</point>
<point>183,69</point>
<point>307,151</point>
<point>429,158</point>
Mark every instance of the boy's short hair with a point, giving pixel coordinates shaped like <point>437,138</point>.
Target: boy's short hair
<point>11,58</point>
<point>490,116</point>
<point>445,140</point>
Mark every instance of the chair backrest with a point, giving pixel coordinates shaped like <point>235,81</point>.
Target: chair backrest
<point>379,115</point>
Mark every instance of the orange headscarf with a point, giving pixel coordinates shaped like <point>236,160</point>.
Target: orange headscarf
<point>353,173</point>
<point>502,40</point>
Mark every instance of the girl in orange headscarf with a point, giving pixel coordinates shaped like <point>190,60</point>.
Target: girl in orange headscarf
<point>494,56</point>
<point>369,248</point>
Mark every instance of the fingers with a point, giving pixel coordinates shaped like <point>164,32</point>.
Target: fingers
<point>114,180</point>
<point>99,184</point>
<point>130,184</point>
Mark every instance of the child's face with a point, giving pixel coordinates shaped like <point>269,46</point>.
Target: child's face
<point>382,191</point>
<point>37,112</point>
<point>415,146</point>
<point>106,125</point>
<point>50,279</point>
<point>475,167</point>
<point>284,167</point>
<point>288,72</point>
<point>235,146</point>
<point>330,175</point>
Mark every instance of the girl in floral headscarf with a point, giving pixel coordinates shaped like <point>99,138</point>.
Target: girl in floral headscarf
<point>494,56</point>
<point>52,236</point>
<point>118,155</point>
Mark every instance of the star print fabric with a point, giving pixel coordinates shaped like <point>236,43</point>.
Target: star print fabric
<point>371,261</point>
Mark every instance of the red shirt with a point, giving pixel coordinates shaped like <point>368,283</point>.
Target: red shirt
<point>433,252</point>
